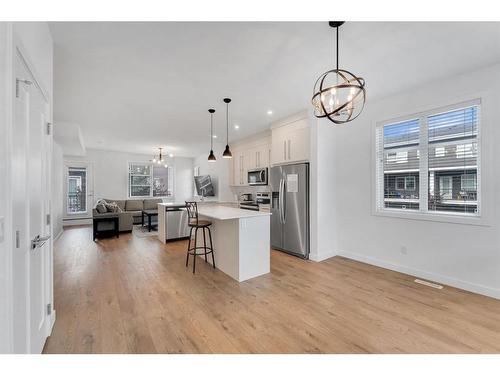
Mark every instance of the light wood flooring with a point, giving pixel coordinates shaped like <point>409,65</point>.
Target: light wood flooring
<point>134,295</point>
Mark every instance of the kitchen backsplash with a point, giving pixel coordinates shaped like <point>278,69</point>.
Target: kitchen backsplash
<point>238,190</point>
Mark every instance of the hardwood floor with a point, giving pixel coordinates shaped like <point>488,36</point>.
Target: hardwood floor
<point>134,295</point>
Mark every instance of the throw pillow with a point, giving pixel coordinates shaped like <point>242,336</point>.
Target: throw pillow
<point>101,208</point>
<point>113,207</point>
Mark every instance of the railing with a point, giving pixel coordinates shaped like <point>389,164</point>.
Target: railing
<point>76,203</point>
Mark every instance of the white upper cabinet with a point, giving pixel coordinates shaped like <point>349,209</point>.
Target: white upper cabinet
<point>247,155</point>
<point>290,141</point>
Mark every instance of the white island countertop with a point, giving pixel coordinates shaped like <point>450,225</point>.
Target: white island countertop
<point>218,212</point>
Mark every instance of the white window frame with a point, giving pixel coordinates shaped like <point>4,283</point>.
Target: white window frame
<point>423,213</point>
<point>151,182</point>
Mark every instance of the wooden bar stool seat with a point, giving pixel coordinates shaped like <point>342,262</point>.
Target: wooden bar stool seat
<point>195,223</point>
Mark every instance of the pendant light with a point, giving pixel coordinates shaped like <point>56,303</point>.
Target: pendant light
<point>211,156</point>
<point>227,152</point>
<point>160,159</point>
<point>338,94</point>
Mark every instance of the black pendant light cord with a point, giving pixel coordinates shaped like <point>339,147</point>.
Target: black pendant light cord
<point>211,131</point>
<point>227,123</point>
<point>337,48</point>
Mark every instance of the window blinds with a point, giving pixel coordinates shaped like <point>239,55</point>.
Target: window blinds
<point>399,144</point>
<point>429,162</point>
<point>453,160</point>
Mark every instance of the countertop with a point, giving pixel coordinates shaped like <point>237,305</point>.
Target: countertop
<point>227,213</point>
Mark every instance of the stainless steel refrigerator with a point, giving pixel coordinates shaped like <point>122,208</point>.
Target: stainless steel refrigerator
<point>290,209</point>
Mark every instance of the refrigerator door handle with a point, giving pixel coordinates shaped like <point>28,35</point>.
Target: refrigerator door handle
<point>284,201</point>
<point>281,200</point>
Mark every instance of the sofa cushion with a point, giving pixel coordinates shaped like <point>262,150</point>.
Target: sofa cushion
<point>151,204</point>
<point>134,205</point>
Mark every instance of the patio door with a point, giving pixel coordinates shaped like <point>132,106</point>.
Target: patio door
<point>78,191</point>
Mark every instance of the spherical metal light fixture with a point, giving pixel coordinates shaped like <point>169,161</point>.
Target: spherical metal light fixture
<point>211,156</point>
<point>227,152</point>
<point>338,94</point>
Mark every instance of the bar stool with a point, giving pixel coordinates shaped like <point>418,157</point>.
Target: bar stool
<point>195,223</point>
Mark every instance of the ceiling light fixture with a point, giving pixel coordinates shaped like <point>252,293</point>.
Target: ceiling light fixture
<point>227,152</point>
<point>159,159</point>
<point>236,127</point>
<point>211,156</point>
<point>269,112</point>
<point>338,94</point>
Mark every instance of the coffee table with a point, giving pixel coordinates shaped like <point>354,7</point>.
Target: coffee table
<point>149,214</point>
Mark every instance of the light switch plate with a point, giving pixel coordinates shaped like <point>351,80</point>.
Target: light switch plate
<point>2,228</point>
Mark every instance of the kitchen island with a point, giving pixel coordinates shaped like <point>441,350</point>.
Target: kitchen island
<point>241,240</point>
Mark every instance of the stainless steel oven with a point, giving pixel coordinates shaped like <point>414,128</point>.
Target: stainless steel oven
<point>257,176</point>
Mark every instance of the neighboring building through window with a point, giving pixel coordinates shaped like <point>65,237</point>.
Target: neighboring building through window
<point>447,141</point>
<point>150,180</point>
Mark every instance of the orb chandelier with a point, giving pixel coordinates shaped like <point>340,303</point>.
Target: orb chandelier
<point>211,156</point>
<point>227,152</point>
<point>160,158</point>
<point>338,94</point>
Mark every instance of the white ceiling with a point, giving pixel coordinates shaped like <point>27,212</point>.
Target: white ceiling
<point>137,86</point>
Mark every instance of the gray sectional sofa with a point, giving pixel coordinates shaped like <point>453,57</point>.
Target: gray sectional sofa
<point>131,211</point>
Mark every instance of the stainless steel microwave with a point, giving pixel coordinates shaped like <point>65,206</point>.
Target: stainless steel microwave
<point>257,176</point>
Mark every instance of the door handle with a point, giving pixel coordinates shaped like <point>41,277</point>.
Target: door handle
<point>39,241</point>
<point>284,201</point>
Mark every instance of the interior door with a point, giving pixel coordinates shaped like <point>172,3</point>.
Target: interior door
<point>32,204</point>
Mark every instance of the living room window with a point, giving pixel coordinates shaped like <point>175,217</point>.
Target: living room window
<point>149,180</point>
<point>440,172</point>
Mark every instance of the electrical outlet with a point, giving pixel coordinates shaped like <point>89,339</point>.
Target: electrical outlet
<point>2,228</point>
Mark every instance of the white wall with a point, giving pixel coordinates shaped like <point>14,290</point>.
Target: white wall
<point>183,179</point>
<point>218,171</point>
<point>323,209</point>
<point>57,190</point>
<point>110,173</point>
<point>461,255</point>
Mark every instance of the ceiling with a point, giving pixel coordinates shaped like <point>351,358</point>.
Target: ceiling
<point>136,86</point>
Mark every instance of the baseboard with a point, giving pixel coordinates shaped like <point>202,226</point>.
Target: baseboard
<point>71,222</point>
<point>460,284</point>
<point>322,255</point>
<point>52,321</point>
<point>58,235</point>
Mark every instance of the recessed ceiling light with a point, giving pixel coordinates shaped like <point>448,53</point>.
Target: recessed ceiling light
<point>269,112</point>
<point>236,126</point>
<point>214,136</point>
<point>171,155</point>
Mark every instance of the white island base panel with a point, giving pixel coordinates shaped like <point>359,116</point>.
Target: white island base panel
<point>241,246</point>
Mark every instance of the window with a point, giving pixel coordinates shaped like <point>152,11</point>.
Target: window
<point>439,152</point>
<point>405,183</point>
<point>428,163</point>
<point>76,190</point>
<point>468,182</point>
<point>150,180</point>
